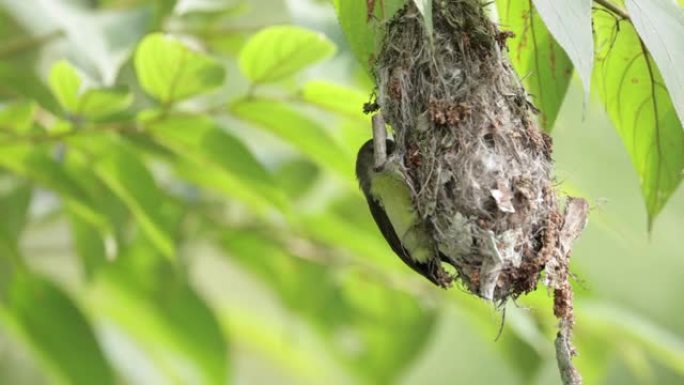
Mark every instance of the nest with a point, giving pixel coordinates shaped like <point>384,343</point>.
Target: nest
<point>480,169</point>
<point>479,166</point>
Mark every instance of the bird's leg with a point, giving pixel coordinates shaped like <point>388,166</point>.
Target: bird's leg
<point>379,141</point>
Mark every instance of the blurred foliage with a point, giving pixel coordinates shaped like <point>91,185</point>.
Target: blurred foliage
<point>178,206</point>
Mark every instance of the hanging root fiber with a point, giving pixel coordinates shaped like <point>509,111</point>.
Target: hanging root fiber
<point>479,167</point>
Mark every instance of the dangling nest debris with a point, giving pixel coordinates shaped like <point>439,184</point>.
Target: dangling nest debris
<point>479,166</point>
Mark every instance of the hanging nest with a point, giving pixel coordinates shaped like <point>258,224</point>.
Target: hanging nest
<point>472,153</point>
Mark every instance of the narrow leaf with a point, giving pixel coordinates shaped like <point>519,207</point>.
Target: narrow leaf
<point>35,163</point>
<point>169,71</point>
<point>280,51</point>
<point>336,98</point>
<point>385,328</point>
<point>639,106</point>
<point>14,206</point>
<point>57,330</point>
<point>617,324</point>
<point>297,177</point>
<point>79,167</point>
<point>570,24</point>
<point>88,244</point>
<point>537,58</point>
<point>144,294</point>
<point>298,130</point>
<point>20,81</point>
<point>660,24</point>
<point>214,152</point>
<point>124,173</point>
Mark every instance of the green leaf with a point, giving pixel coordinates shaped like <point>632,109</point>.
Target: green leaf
<point>18,81</point>
<point>65,84</point>
<point>14,206</point>
<point>35,163</point>
<point>374,329</point>
<point>169,71</point>
<point>336,98</point>
<point>537,58</point>
<point>660,24</point>
<point>88,244</point>
<point>17,117</point>
<point>298,130</point>
<point>162,10</point>
<point>521,343</point>
<point>363,27</point>
<point>91,103</point>
<point>365,242</point>
<point>227,44</point>
<point>280,51</point>
<point>99,103</point>
<point>55,328</point>
<point>146,296</point>
<point>570,24</point>
<point>297,177</point>
<point>120,168</point>
<point>392,325</point>
<point>640,108</point>
<point>218,159</point>
<point>616,324</point>
<point>79,167</point>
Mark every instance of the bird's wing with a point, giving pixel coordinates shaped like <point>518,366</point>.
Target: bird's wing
<point>387,230</point>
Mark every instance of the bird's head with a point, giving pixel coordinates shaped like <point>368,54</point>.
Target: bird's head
<point>365,162</point>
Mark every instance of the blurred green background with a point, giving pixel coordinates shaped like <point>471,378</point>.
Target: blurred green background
<point>236,247</point>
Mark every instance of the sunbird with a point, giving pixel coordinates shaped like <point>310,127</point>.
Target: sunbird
<point>391,204</point>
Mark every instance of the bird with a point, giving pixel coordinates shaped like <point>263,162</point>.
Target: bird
<point>390,201</point>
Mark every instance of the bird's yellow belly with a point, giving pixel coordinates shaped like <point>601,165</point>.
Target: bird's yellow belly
<point>395,197</point>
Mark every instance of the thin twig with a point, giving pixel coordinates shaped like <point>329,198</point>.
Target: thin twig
<point>574,221</point>
<point>564,354</point>
<point>613,8</point>
<point>43,137</point>
<point>21,45</point>
<point>379,139</point>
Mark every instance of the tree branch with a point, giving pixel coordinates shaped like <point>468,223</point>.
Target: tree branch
<point>564,353</point>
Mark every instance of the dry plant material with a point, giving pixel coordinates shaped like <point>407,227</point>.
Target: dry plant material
<point>475,158</point>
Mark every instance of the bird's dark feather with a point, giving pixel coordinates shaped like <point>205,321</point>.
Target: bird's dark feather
<point>364,161</point>
<point>387,230</point>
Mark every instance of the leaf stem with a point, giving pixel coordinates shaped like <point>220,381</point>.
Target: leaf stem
<point>607,4</point>
<point>54,137</point>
